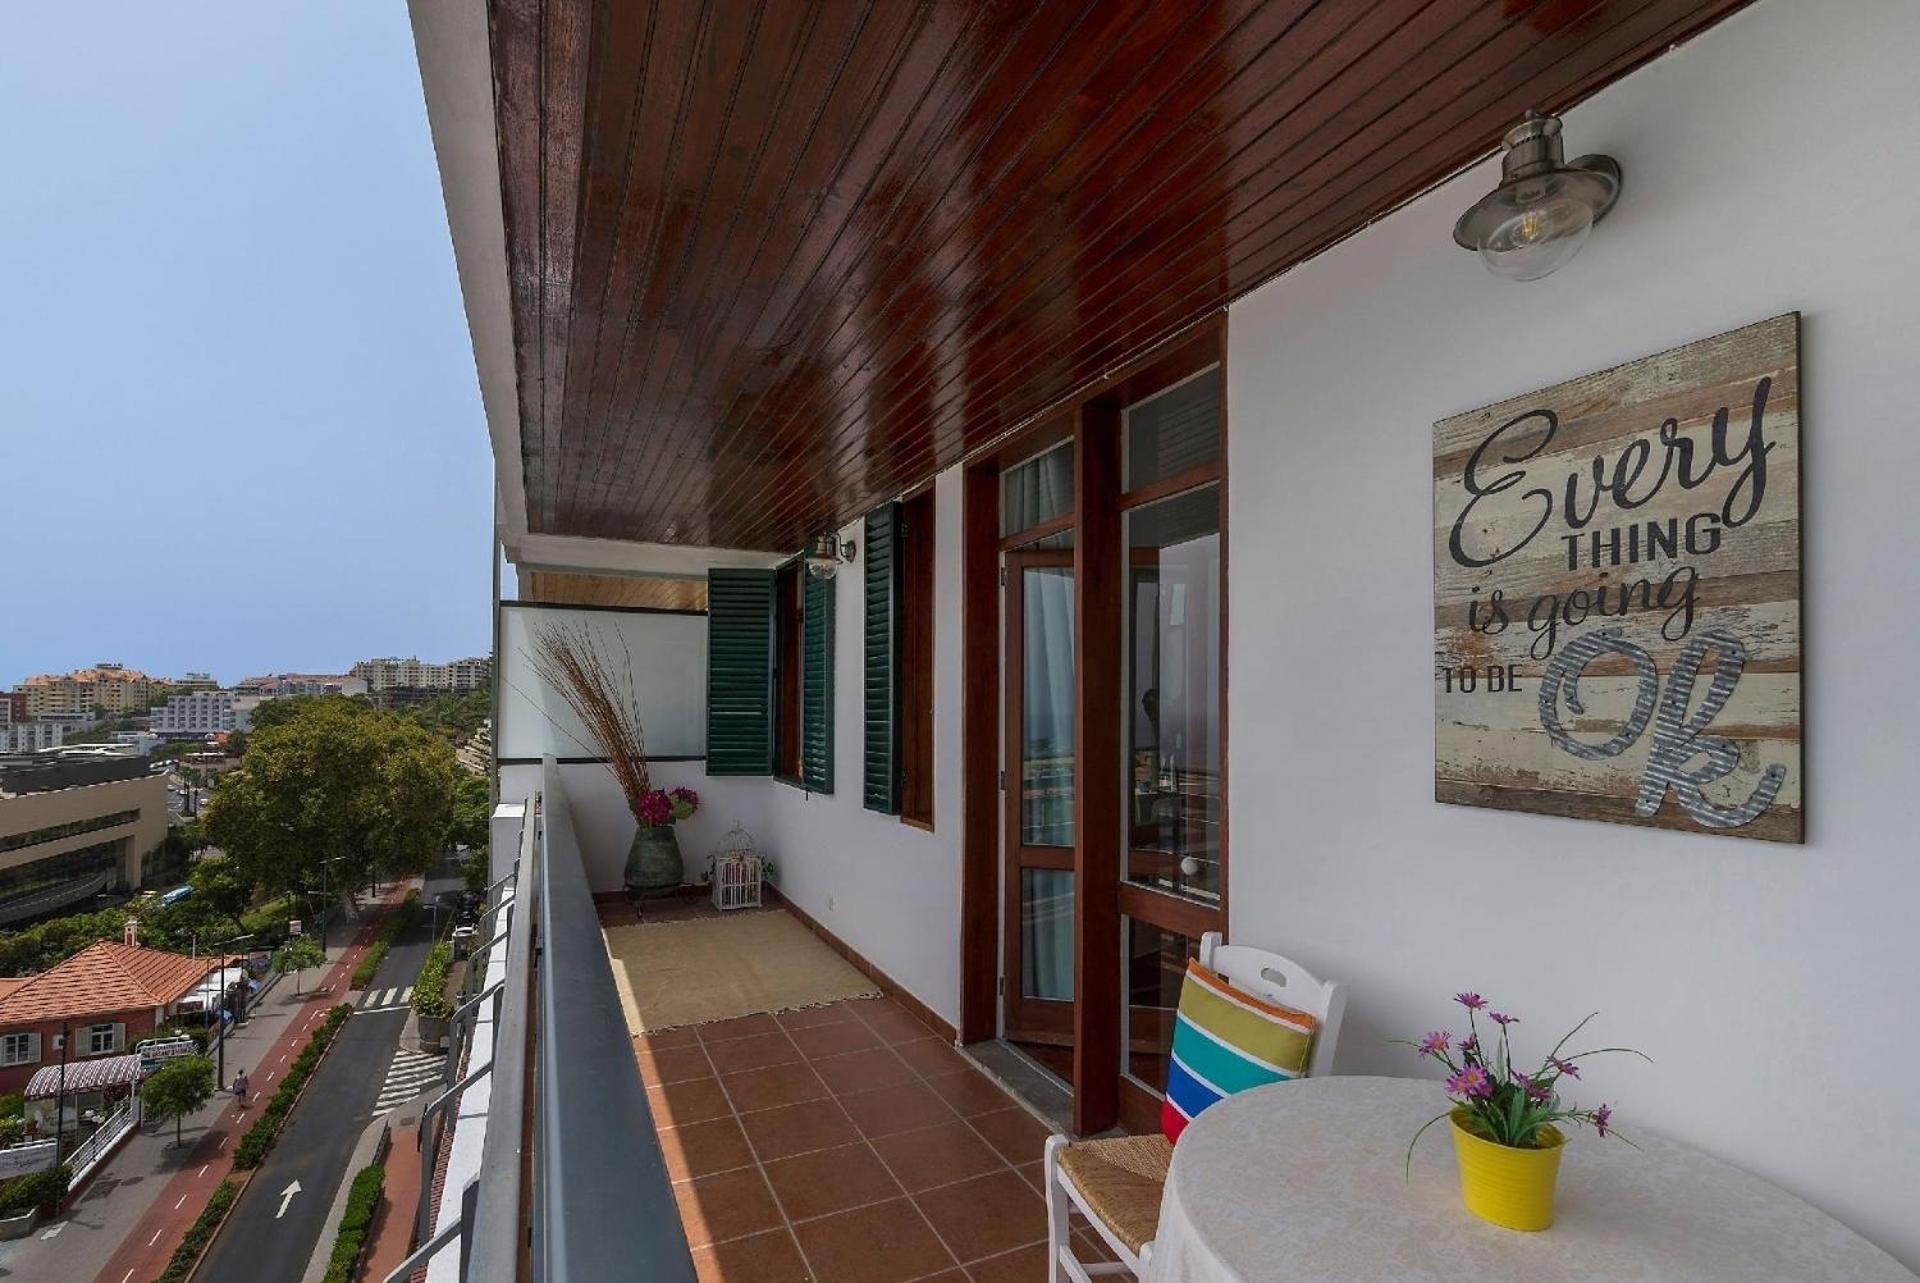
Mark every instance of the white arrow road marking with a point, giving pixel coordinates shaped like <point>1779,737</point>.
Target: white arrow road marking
<point>286,1196</point>
<point>52,1232</point>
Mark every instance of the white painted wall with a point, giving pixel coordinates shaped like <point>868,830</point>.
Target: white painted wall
<point>890,891</point>
<point>1770,166</point>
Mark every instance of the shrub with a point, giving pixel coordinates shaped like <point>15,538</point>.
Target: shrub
<point>258,1142</point>
<point>187,1255</point>
<point>397,921</point>
<point>363,1199</point>
<point>430,999</point>
<point>34,1190</point>
<point>13,1105</point>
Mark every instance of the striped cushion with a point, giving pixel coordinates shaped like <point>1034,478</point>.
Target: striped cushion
<point>1226,1040</point>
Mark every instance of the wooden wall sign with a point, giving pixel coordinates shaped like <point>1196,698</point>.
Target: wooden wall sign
<point>1617,593</point>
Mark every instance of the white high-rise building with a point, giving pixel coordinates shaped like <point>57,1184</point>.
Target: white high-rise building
<point>413,673</point>
<point>194,715</point>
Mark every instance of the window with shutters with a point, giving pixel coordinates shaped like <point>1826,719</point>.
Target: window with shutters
<point>740,686</point>
<point>19,1049</point>
<point>100,1040</point>
<point>898,664</point>
<point>789,625</point>
<point>816,686</point>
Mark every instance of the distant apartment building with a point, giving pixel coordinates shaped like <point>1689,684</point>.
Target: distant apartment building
<point>77,696</point>
<point>13,706</point>
<point>414,673</point>
<point>31,737</point>
<point>73,827</point>
<point>195,715</point>
<point>286,685</point>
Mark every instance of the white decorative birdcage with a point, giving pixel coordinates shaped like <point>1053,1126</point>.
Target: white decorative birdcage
<point>736,870</point>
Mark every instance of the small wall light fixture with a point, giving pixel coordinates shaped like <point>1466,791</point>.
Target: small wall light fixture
<point>1537,219</point>
<point>825,554</point>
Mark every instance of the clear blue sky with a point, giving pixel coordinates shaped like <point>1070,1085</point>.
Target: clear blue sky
<point>239,423</point>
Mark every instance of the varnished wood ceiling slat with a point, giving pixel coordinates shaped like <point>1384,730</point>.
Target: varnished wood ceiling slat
<point>774,261</point>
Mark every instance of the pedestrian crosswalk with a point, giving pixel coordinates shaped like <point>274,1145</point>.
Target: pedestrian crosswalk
<point>411,1073</point>
<point>385,999</point>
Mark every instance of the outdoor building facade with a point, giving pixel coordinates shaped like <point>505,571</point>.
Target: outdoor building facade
<point>81,694</point>
<point>71,829</point>
<point>105,999</point>
<point>195,715</point>
<point>1072,553</point>
<point>382,675</point>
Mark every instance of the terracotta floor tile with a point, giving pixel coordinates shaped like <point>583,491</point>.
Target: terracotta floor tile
<point>755,1052</point>
<point>696,1100</point>
<point>764,1258</point>
<point>1034,1174</point>
<point>661,1039</point>
<point>863,1071</point>
<point>931,1056</point>
<point>831,1180</point>
<point>937,1155</point>
<point>807,1017</point>
<point>773,1087</point>
<point>970,1092</point>
<point>701,1149</point>
<point>884,1243</point>
<point>1018,1135</point>
<point>895,1023</point>
<point>1090,1247</point>
<point>822,1041</point>
<point>729,1205</point>
<point>741,1027</point>
<point>896,1109</point>
<point>673,1065</point>
<point>986,1216</point>
<point>798,1129</point>
<point>1022,1265</point>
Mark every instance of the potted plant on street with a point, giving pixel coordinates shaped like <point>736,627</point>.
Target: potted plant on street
<point>1504,1121</point>
<point>601,695</point>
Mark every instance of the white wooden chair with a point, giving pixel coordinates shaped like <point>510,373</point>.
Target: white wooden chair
<point>1116,1183</point>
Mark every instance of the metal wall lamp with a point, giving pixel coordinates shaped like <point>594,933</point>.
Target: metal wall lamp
<point>825,554</point>
<point>1539,216</point>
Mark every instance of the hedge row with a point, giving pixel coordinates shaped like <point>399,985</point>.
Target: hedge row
<point>397,921</point>
<point>44,1188</point>
<point>187,1255</point>
<point>258,1142</point>
<point>430,988</point>
<point>363,1198</point>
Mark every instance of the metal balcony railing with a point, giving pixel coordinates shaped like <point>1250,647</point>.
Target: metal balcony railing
<point>553,1171</point>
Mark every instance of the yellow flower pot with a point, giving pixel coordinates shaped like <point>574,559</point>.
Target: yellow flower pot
<point>1506,1186</point>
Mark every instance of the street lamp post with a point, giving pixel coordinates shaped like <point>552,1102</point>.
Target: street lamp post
<point>220,1074</point>
<point>60,1103</point>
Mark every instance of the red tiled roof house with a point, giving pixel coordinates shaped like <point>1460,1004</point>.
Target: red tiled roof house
<point>108,996</point>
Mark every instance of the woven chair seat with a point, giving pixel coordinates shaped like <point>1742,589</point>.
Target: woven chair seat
<point>1121,1178</point>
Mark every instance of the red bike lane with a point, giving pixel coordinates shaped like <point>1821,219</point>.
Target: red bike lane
<point>144,1253</point>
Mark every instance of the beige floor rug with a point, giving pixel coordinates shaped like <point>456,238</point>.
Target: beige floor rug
<point>688,973</point>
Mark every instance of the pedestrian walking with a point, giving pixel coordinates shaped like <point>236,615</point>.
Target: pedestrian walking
<point>241,1087</point>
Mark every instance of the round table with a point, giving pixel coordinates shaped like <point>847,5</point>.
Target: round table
<point>1305,1180</point>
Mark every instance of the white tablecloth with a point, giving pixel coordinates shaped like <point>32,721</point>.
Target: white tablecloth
<point>1304,1180</point>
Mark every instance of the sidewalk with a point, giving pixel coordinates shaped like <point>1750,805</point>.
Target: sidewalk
<point>134,1212</point>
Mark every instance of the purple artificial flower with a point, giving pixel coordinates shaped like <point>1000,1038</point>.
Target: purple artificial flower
<point>1534,1090</point>
<point>1435,1043</point>
<point>685,794</point>
<point>1502,1019</point>
<point>1471,1081</point>
<point>1471,1001</point>
<point>1470,1045</point>
<point>654,808</point>
<point>1566,1067</point>
<point>1601,1117</point>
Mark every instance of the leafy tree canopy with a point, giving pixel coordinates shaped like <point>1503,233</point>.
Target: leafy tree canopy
<point>177,1088</point>
<point>333,779</point>
<point>472,811</point>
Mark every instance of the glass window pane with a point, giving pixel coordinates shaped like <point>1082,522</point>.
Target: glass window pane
<point>1174,430</point>
<point>1046,706</point>
<point>1046,933</point>
<point>1173,694</point>
<point>1038,490</point>
<point>1156,962</point>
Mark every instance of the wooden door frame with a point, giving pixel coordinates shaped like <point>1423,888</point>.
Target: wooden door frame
<point>1024,1019</point>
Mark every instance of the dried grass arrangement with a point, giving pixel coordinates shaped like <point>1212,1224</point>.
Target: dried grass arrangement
<point>601,695</point>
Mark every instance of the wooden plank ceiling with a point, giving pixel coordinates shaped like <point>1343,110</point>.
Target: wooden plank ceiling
<point>773,262</point>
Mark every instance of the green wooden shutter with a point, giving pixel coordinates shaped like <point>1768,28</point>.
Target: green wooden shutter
<point>881,790</point>
<point>740,672</point>
<point>816,689</point>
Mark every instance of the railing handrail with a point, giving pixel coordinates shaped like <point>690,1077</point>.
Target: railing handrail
<point>603,1202</point>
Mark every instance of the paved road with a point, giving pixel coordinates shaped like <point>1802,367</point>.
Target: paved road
<point>271,1236</point>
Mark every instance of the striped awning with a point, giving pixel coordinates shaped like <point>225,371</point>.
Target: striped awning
<point>85,1075</point>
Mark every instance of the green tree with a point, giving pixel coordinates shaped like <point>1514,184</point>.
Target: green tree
<point>296,955</point>
<point>176,1089</point>
<point>333,780</point>
<point>472,811</point>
